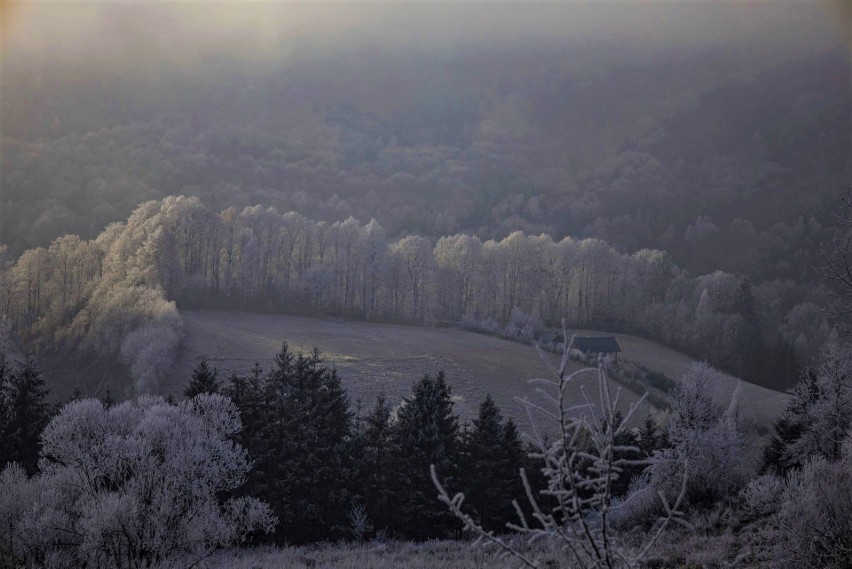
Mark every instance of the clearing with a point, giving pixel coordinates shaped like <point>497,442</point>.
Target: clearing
<point>388,358</point>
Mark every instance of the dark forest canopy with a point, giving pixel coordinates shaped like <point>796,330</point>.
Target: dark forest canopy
<point>571,120</point>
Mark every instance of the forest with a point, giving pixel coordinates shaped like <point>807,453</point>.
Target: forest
<point>118,294</point>
<point>414,201</point>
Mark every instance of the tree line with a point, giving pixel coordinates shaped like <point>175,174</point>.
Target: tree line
<point>114,295</point>
<point>279,455</point>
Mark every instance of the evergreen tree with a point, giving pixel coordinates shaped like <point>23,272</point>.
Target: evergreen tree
<point>302,446</point>
<point>627,439</point>
<point>26,416</point>
<point>490,467</point>
<point>108,400</point>
<point>790,426</point>
<point>649,437</point>
<point>427,433</point>
<point>751,349</point>
<point>203,380</point>
<point>374,479</point>
<point>5,408</point>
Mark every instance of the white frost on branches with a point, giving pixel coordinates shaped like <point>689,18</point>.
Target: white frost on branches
<point>134,485</point>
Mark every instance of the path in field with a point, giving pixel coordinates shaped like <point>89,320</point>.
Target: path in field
<point>759,404</point>
<point>375,358</point>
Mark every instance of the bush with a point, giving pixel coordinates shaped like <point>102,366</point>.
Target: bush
<point>134,485</point>
<point>815,518</point>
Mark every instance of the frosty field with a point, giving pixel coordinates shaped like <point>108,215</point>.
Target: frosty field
<point>387,358</point>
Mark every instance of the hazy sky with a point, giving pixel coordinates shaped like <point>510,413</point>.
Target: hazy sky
<point>145,35</point>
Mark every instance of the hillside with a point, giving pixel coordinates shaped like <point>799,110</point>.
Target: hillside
<point>388,358</point>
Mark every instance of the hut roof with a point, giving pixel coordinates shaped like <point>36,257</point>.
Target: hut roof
<point>596,344</point>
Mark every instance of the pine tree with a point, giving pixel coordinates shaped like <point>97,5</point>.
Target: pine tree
<point>27,414</point>
<point>203,380</point>
<point>427,432</point>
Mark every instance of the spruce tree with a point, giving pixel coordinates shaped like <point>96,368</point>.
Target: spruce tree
<point>374,478</point>
<point>649,437</point>
<point>27,414</point>
<point>203,380</point>
<point>306,452</point>
<point>790,426</point>
<point>490,468</point>
<point>5,408</point>
<point>427,433</point>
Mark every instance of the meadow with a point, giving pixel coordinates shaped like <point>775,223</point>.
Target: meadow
<point>375,358</point>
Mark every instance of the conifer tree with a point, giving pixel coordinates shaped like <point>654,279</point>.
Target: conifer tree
<point>374,479</point>
<point>27,414</point>
<point>427,433</point>
<point>302,449</point>
<point>649,437</point>
<point>5,407</point>
<point>203,380</point>
<point>492,461</point>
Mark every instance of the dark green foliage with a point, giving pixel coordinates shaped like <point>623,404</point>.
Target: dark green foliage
<point>751,350</point>
<point>374,477</point>
<point>790,426</point>
<point>25,412</point>
<point>427,432</point>
<point>108,400</point>
<point>493,456</point>
<point>297,427</point>
<point>203,380</point>
<point>629,442</point>
<point>660,381</point>
<point>649,437</point>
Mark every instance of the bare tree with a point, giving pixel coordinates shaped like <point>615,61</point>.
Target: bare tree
<point>579,477</point>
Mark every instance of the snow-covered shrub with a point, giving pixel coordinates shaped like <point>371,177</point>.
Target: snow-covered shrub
<point>703,435</point>
<point>134,485</point>
<point>150,350</point>
<point>815,518</point>
<point>763,494</point>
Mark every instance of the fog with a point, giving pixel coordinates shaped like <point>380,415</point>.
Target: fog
<point>144,36</point>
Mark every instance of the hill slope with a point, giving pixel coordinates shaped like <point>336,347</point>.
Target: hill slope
<point>388,358</point>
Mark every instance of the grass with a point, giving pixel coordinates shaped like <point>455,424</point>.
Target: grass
<point>392,554</point>
<point>388,358</point>
<point>375,358</point>
<point>758,405</point>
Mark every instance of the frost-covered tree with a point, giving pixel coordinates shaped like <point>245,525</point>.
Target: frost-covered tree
<point>818,415</point>
<point>705,436</point>
<point>138,484</point>
<point>815,516</point>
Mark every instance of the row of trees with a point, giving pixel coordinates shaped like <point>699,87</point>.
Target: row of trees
<point>114,486</point>
<point>329,473</point>
<point>110,295</point>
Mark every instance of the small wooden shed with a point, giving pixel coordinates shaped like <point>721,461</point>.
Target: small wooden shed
<point>596,345</point>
